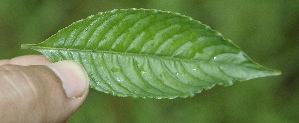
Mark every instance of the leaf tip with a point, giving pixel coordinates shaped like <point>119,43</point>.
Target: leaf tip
<point>276,72</point>
<point>268,72</point>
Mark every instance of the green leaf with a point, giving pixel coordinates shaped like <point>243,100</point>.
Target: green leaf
<point>150,53</point>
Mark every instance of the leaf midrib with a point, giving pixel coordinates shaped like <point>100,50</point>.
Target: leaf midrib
<point>115,52</point>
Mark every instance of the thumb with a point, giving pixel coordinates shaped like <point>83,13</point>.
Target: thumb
<point>41,93</point>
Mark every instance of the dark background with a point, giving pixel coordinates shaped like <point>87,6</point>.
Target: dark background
<point>267,30</point>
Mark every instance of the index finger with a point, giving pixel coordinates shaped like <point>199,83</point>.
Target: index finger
<point>26,60</point>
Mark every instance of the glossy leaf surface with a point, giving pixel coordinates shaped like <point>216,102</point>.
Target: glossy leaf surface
<point>150,53</point>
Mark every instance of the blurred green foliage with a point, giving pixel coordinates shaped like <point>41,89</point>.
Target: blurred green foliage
<point>267,30</point>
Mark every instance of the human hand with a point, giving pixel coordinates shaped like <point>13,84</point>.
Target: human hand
<point>34,90</point>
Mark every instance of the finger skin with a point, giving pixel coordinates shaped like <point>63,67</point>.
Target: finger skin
<point>34,94</point>
<point>2,62</point>
<point>27,60</point>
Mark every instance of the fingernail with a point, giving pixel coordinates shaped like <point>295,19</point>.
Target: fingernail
<point>75,81</point>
